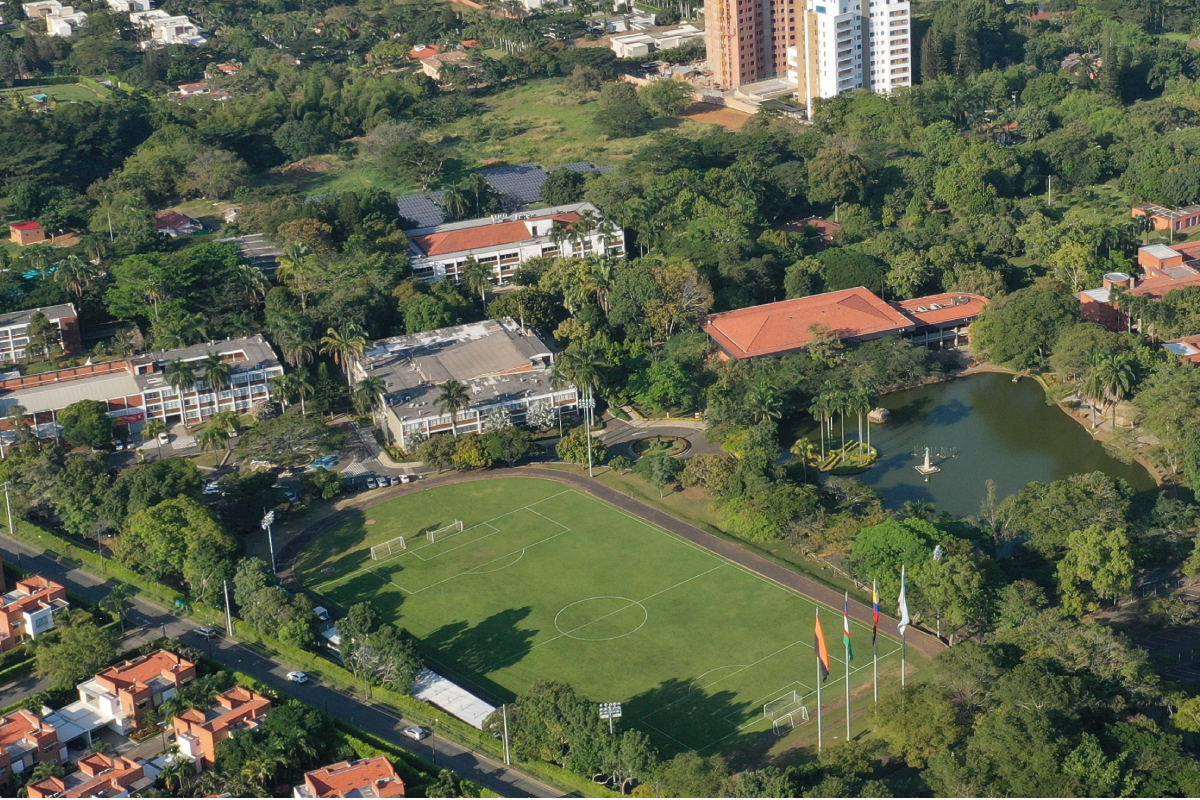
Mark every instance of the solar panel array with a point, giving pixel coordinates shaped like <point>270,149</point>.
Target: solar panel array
<point>518,186</point>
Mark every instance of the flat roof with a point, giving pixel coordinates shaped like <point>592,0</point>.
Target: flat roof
<point>433,688</point>
<point>52,313</point>
<point>1187,347</point>
<point>60,395</point>
<point>788,325</point>
<point>494,231</point>
<point>1161,251</point>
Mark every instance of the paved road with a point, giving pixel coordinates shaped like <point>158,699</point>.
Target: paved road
<point>924,642</point>
<point>150,621</point>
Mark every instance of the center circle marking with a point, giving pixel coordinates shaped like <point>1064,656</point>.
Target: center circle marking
<point>571,634</point>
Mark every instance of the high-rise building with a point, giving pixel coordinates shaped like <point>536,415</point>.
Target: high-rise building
<point>821,48</point>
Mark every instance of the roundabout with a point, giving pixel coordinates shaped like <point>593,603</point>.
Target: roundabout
<point>660,445</point>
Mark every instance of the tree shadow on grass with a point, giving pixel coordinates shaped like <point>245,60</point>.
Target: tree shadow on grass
<point>678,715</point>
<point>471,652</point>
<point>330,552</point>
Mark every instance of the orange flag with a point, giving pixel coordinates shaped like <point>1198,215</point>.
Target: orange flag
<point>821,650</point>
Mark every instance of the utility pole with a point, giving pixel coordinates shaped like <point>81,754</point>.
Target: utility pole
<point>504,711</point>
<point>228,611</point>
<point>12,532</point>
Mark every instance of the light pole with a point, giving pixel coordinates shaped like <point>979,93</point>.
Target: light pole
<point>588,404</point>
<point>610,711</point>
<point>11,530</point>
<point>267,519</point>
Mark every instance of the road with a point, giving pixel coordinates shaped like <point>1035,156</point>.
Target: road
<point>148,621</point>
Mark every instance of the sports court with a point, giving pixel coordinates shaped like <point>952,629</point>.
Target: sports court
<point>543,582</point>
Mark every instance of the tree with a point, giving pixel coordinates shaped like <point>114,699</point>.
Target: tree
<point>478,279</point>
<point>918,723</point>
<point>453,399</point>
<point>213,173</point>
<point>345,345</point>
<point>290,440</point>
<point>881,550</point>
<point>1097,566</point>
<point>211,438</point>
<point>573,448</point>
<point>563,186</point>
<point>1019,330</point>
<point>470,453</point>
<point>661,470</point>
<point>86,423</point>
<point>846,269</point>
<point>42,335</point>
<point>1045,513</point>
<point>835,175</point>
<point>217,373</point>
<point>438,451</point>
<point>299,140</point>
<point>154,429</point>
<point>76,274</point>
<point>668,98</point>
<point>180,375</point>
<point>181,543</point>
<point>621,114</point>
<point>76,649</point>
<point>509,444</point>
<point>116,602</point>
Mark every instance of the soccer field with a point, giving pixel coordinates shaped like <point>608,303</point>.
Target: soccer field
<point>547,583</point>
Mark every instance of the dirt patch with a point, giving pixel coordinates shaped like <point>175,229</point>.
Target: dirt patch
<point>301,167</point>
<point>727,118</point>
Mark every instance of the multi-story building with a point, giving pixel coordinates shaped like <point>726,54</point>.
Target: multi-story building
<point>60,20</point>
<point>1163,270</point>
<point>14,330</point>
<point>504,242</point>
<point>128,6</point>
<point>136,389</point>
<point>160,28</point>
<point>1161,218</point>
<point>29,610</point>
<point>99,775</point>
<point>367,777</point>
<point>25,741</point>
<point>503,367</point>
<point>199,732</point>
<point>813,48</point>
<point>124,695</point>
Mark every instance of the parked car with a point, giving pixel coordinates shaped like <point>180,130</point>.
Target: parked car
<point>296,676</point>
<point>206,632</point>
<point>119,444</point>
<point>406,478</point>
<point>212,487</point>
<point>291,495</point>
<point>164,438</point>
<point>372,483</point>
<point>417,732</point>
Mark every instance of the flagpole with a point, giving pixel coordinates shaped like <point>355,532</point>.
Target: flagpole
<point>903,658</point>
<point>847,637</point>
<point>875,644</point>
<point>903,627</point>
<point>819,729</point>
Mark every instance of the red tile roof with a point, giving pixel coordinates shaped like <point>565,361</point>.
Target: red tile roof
<point>26,226</point>
<point>425,51</point>
<point>484,235</point>
<point>19,726</point>
<point>788,325</point>
<point>345,779</point>
<point>950,307</point>
<point>104,776</point>
<point>140,671</point>
<point>172,220</point>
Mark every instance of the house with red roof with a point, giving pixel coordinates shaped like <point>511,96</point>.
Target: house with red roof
<point>125,695</point>
<point>420,51</point>
<point>198,732</point>
<point>99,775</point>
<point>173,224</point>
<point>27,740</point>
<point>367,777</point>
<point>29,610</point>
<point>23,233</point>
<point>504,242</point>
<point>851,315</point>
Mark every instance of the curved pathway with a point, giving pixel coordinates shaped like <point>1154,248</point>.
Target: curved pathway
<point>926,643</point>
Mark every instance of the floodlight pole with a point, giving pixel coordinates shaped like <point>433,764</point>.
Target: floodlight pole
<point>228,611</point>
<point>504,711</point>
<point>267,519</point>
<point>12,532</point>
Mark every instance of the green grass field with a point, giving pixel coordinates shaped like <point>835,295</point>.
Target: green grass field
<point>63,93</point>
<point>549,583</point>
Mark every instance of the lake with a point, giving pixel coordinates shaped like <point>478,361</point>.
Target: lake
<point>981,427</point>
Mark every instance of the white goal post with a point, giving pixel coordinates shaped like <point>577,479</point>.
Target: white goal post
<point>784,723</point>
<point>388,548</point>
<point>772,709</point>
<point>441,533</point>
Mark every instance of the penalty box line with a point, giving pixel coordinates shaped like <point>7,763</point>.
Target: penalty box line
<point>414,550</point>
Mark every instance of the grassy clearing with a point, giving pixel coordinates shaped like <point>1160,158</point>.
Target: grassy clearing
<point>548,583</point>
<point>62,93</point>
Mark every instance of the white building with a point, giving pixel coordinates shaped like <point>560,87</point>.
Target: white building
<point>503,367</point>
<point>128,6</point>
<point>160,28</point>
<point>60,20</point>
<point>503,242</point>
<point>890,62</point>
<point>637,45</point>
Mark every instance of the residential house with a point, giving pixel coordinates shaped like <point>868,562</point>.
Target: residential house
<point>27,740</point>
<point>160,29</point>
<point>367,777</point>
<point>434,66</point>
<point>1187,348</point>
<point>42,9</point>
<point>850,315</point>
<point>421,51</point>
<point>821,231</point>
<point>14,330</point>
<point>504,242</point>
<point>125,695</point>
<point>128,6</point>
<point>1088,64</point>
<point>1176,220</point>
<point>503,367</point>
<point>23,233</point>
<point>66,22</point>
<point>639,45</point>
<point>136,389</point>
<point>172,223</point>
<point>29,610</point>
<point>1163,270</point>
<point>99,775</point>
<point>191,90</point>
<point>199,732</point>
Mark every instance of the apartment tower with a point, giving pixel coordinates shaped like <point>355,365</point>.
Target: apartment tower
<point>821,47</point>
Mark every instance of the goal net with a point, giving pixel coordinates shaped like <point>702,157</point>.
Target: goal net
<point>388,548</point>
<point>784,723</point>
<point>772,709</point>
<point>442,533</point>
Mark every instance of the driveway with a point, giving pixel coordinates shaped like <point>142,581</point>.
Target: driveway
<point>619,435</point>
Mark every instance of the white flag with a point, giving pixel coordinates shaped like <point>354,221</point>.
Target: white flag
<point>904,620</point>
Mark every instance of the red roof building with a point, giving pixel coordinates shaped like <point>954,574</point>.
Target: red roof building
<point>172,223</point>
<point>29,610</point>
<point>424,51</point>
<point>199,732</point>
<point>129,692</point>
<point>367,777</point>
<point>25,741</point>
<point>852,315</point>
<point>1164,270</point>
<point>23,233</point>
<point>99,775</point>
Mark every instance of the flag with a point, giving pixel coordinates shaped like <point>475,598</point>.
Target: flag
<point>874,612</point>
<point>904,620</point>
<point>821,650</point>
<point>846,629</point>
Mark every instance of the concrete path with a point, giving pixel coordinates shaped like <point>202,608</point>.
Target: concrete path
<point>926,643</point>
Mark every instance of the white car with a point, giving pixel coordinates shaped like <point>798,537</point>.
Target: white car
<point>405,478</point>
<point>417,732</point>
<point>296,676</point>
<point>207,632</point>
<point>372,483</point>
<point>212,487</point>
<point>164,438</point>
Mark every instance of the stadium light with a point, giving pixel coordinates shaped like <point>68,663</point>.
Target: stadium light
<point>267,519</point>
<point>610,711</point>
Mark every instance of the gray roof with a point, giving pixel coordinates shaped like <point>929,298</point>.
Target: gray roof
<point>1161,251</point>
<point>257,249</point>
<point>519,185</point>
<point>23,317</point>
<point>494,359</point>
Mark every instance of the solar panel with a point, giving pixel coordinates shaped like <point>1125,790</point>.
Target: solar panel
<point>422,209</point>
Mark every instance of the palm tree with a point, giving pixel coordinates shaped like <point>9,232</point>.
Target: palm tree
<point>298,352</point>
<point>227,421</point>
<point>295,268</point>
<point>344,345</point>
<point>254,283</point>
<point>304,386</point>
<point>763,401</point>
<point>1117,374</point>
<point>1092,386</point>
<point>582,366</point>
<point>818,408</point>
<point>452,400</point>
<point>859,403</point>
<point>177,774</point>
<point>212,438</point>
<point>116,603</point>
<point>919,509</point>
<point>180,376</point>
<point>600,279</point>
<point>806,452</point>
<point>285,385</point>
<point>368,396</point>
<point>455,204</point>
<point>217,372</point>
<point>606,232</point>
<point>153,428</point>
<point>558,235</point>
<point>478,279</point>
<point>75,274</point>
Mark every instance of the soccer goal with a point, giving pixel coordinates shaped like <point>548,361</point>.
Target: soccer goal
<point>442,533</point>
<point>388,548</point>
<point>772,709</point>
<point>784,723</point>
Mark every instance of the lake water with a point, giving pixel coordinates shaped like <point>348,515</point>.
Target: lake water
<point>984,427</point>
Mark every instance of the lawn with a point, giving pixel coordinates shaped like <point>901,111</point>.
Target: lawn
<point>545,583</point>
<point>63,93</point>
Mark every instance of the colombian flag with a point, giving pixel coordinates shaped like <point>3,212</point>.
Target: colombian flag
<point>874,612</point>
<point>846,629</point>
<point>821,650</point>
